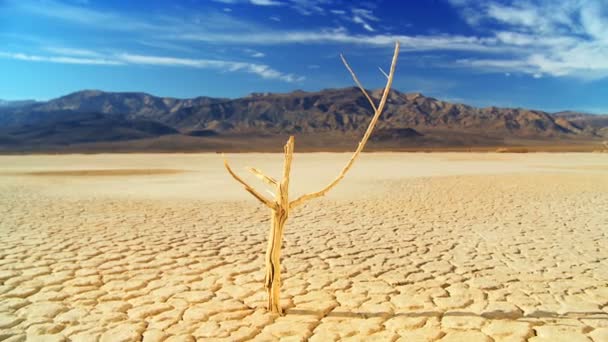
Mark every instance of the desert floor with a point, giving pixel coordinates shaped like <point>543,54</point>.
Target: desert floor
<point>409,247</point>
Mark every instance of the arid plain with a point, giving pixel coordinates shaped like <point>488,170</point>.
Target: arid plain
<point>409,247</point>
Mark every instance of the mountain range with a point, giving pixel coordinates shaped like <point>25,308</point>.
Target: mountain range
<point>330,119</point>
<point>13,104</point>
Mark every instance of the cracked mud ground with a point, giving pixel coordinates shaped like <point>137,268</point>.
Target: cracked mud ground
<point>410,247</point>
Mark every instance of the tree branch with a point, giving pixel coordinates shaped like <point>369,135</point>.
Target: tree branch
<point>251,190</point>
<point>300,200</point>
<point>283,188</point>
<point>288,149</point>
<point>383,73</point>
<point>266,179</point>
<point>356,79</point>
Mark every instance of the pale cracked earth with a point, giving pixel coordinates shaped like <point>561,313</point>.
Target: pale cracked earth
<point>409,247</point>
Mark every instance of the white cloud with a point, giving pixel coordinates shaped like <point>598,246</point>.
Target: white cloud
<point>150,26</point>
<point>218,27</point>
<point>71,51</point>
<point>593,19</point>
<point>308,7</point>
<point>261,70</point>
<point>82,15</point>
<point>254,53</point>
<point>340,36</point>
<point>253,2</point>
<point>265,2</point>
<point>59,59</point>
<point>560,39</point>
<point>494,63</point>
<point>365,14</point>
<point>305,7</point>
<point>513,15</point>
<point>363,23</point>
<point>362,17</point>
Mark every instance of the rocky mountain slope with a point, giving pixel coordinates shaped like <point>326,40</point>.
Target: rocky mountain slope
<point>591,123</point>
<point>410,117</point>
<point>65,127</point>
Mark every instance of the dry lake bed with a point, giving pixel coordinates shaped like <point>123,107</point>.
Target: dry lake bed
<point>408,247</point>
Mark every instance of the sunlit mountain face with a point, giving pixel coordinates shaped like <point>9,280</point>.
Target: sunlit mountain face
<point>543,55</point>
<point>328,120</point>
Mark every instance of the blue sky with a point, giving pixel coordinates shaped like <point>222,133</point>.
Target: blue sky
<point>543,54</point>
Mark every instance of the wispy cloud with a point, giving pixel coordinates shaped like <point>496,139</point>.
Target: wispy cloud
<point>261,70</point>
<point>305,7</point>
<point>341,36</point>
<point>252,2</point>
<point>308,7</point>
<point>215,27</point>
<point>363,17</point>
<point>71,51</point>
<point>539,38</point>
<point>254,53</point>
<point>59,59</point>
<point>83,15</point>
<point>149,26</point>
<point>265,2</point>
<point>567,38</point>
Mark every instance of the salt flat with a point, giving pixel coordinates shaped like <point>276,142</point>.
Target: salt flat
<point>410,247</point>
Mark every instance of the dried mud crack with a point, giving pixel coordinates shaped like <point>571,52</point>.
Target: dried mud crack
<point>476,257</point>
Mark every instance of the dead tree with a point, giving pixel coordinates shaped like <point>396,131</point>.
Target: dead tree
<point>280,205</point>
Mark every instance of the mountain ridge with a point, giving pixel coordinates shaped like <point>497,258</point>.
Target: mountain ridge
<point>15,103</point>
<point>409,119</point>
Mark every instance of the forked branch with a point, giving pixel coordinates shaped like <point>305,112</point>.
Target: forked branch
<point>378,111</point>
<point>249,188</point>
<point>356,79</point>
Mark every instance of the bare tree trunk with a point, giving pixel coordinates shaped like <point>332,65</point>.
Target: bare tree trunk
<point>275,239</point>
<point>273,260</point>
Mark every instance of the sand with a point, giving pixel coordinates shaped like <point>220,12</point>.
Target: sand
<point>409,247</point>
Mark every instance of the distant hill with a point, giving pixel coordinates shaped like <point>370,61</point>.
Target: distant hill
<point>128,105</point>
<point>323,119</point>
<point>68,127</point>
<point>591,123</point>
<point>15,104</point>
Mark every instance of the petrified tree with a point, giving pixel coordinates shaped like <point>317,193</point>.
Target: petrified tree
<point>280,205</point>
